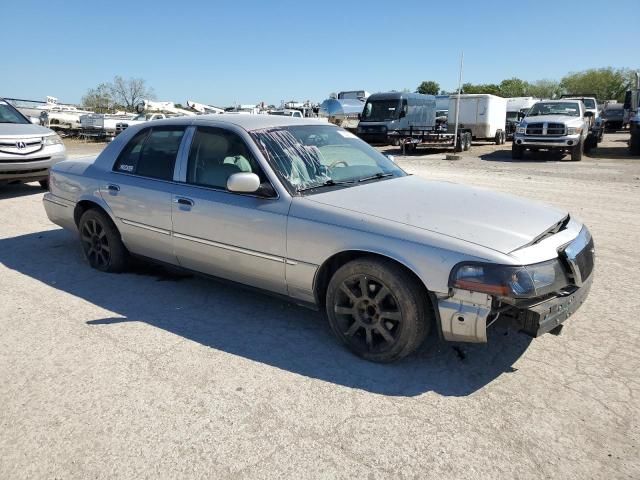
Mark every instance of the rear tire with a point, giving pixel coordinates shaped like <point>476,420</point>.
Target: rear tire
<point>467,142</point>
<point>577,151</point>
<point>101,242</point>
<point>517,152</point>
<point>377,309</point>
<point>634,144</point>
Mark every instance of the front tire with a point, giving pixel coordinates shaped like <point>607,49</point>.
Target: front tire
<point>101,242</point>
<point>517,152</point>
<point>377,309</point>
<point>577,151</point>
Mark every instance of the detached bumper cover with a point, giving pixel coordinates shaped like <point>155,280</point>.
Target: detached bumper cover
<point>543,317</point>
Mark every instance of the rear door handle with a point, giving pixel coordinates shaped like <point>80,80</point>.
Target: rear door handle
<point>113,187</point>
<point>183,201</point>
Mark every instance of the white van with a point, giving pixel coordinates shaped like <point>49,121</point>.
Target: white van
<point>483,114</point>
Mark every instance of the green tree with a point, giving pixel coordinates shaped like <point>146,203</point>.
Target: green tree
<point>514,87</point>
<point>545,89</point>
<point>490,88</point>
<point>428,87</point>
<point>606,83</point>
<point>98,99</point>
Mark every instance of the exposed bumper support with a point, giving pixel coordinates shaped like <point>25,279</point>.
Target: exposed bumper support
<point>463,316</point>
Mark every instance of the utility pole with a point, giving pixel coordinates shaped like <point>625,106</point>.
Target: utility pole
<point>455,132</point>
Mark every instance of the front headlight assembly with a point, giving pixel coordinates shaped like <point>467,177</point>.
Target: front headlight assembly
<point>574,130</point>
<point>529,281</point>
<point>521,129</point>
<point>52,140</point>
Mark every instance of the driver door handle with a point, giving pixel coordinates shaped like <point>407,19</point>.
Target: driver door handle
<point>183,201</point>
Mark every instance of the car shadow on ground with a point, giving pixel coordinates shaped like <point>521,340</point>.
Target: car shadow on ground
<point>15,190</point>
<point>504,155</point>
<point>253,325</point>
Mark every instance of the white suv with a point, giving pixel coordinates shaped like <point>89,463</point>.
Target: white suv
<point>27,151</point>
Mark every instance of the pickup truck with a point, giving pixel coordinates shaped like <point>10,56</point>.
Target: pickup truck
<point>634,141</point>
<point>143,117</point>
<point>556,125</point>
<point>101,125</point>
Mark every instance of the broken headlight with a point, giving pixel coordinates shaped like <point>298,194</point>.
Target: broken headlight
<point>528,281</point>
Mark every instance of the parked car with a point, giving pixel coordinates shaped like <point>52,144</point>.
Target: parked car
<point>613,116</point>
<point>27,151</point>
<point>138,119</point>
<point>387,112</point>
<point>591,105</point>
<point>555,125</point>
<point>305,209</point>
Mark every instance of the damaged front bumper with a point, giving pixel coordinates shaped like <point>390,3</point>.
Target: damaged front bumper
<point>465,316</point>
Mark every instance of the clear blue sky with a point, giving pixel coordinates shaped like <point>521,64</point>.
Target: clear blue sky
<point>221,52</point>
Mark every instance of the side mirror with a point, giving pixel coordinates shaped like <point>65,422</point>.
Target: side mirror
<point>35,120</point>
<point>391,157</point>
<point>243,182</point>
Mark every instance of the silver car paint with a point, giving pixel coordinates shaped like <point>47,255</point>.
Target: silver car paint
<point>279,244</point>
<point>15,166</point>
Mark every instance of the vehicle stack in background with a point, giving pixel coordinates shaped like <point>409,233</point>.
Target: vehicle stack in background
<point>344,109</point>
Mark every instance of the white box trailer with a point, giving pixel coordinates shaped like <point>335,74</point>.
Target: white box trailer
<point>483,114</point>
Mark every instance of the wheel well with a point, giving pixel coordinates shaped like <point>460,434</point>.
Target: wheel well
<point>84,205</point>
<point>332,264</point>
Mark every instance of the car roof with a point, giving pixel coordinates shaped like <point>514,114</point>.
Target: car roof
<point>560,100</point>
<point>248,122</point>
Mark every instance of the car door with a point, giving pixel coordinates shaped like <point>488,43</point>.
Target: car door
<point>138,191</point>
<point>236,236</point>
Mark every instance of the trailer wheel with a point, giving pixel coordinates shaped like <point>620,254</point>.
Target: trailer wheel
<point>467,142</point>
<point>504,137</point>
<point>498,138</point>
<point>459,143</point>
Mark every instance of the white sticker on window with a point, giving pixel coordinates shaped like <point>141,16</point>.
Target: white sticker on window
<point>126,168</point>
<point>346,134</point>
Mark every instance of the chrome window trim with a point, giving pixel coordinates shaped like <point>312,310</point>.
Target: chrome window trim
<point>231,248</point>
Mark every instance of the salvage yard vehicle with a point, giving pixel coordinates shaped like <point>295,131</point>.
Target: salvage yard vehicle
<point>305,209</point>
<point>556,125</point>
<point>634,140</point>
<point>613,116</point>
<point>483,115</point>
<point>143,117</point>
<point>27,151</point>
<point>102,125</point>
<point>387,112</point>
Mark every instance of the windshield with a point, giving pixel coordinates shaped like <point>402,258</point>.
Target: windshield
<point>513,115</point>
<point>555,108</point>
<point>381,110</point>
<point>308,157</point>
<point>8,114</point>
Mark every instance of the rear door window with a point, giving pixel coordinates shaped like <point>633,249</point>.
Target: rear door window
<point>151,153</point>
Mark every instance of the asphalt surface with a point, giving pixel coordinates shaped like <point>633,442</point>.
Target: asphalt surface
<point>153,374</point>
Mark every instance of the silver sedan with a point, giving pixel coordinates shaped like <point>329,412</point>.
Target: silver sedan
<point>306,210</point>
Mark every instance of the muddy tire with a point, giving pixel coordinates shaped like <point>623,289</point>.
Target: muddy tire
<point>517,152</point>
<point>377,309</point>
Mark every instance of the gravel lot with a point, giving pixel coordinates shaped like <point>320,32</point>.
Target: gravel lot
<point>157,375</point>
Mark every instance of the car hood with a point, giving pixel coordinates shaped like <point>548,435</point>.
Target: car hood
<point>552,118</point>
<point>19,130</point>
<point>493,220</point>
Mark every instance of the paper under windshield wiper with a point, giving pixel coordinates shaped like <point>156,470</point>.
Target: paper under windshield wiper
<point>328,183</point>
<point>375,177</point>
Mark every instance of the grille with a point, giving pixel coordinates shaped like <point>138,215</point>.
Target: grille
<point>552,129</point>
<point>585,261</point>
<point>534,129</point>
<point>22,160</point>
<point>29,145</point>
<point>555,129</point>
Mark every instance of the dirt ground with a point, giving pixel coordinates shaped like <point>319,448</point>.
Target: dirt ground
<point>156,375</point>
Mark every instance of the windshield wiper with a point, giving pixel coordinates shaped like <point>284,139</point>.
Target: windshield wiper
<point>328,183</point>
<point>375,177</point>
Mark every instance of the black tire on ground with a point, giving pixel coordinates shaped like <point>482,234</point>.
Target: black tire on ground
<point>634,144</point>
<point>101,242</point>
<point>467,142</point>
<point>44,184</point>
<point>377,309</point>
<point>577,151</point>
<point>459,143</point>
<point>504,137</point>
<point>498,138</point>
<point>517,152</point>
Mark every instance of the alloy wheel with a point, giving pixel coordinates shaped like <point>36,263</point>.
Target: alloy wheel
<point>95,243</point>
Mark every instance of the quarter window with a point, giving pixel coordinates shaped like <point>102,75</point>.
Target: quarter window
<point>151,153</point>
<point>215,155</point>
